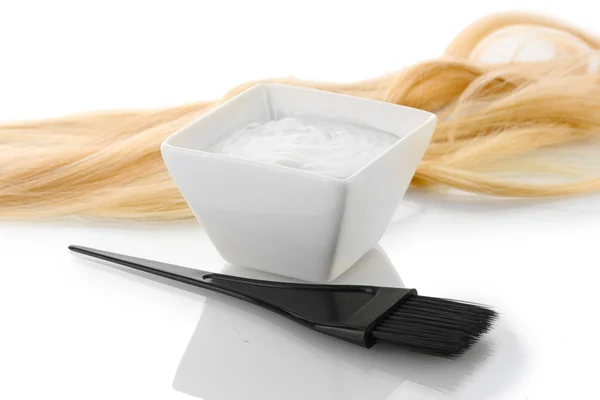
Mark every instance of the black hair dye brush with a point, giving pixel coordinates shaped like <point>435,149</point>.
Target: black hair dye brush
<point>363,315</point>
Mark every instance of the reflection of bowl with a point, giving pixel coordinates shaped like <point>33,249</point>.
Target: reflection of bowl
<point>287,221</point>
<point>239,350</point>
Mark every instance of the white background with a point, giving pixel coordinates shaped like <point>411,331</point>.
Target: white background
<point>74,329</point>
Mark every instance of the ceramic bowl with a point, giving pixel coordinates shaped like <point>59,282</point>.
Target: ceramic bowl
<point>287,221</point>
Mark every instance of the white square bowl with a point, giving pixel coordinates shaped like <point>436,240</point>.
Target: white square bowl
<point>288,221</point>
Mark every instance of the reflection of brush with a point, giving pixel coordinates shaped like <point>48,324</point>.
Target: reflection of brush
<point>362,315</point>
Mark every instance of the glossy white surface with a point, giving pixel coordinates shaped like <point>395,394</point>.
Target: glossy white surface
<point>286,221</point>
<point>71,329</point>
<point>76,328</point>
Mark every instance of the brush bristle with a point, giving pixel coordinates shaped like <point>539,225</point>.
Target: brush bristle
<point>435,326</point>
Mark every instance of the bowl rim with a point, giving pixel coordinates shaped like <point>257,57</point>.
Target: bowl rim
<point>168,146</point>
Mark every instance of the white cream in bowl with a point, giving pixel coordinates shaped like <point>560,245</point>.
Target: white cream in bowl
<point>315,144</point>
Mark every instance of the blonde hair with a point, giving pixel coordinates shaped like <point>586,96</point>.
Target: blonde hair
<point>498,123</point>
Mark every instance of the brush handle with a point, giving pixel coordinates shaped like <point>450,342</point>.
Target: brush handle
<point>346,311</point>
<point>310,302</point>
<point>170,271</point>
<point>222,283</point>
